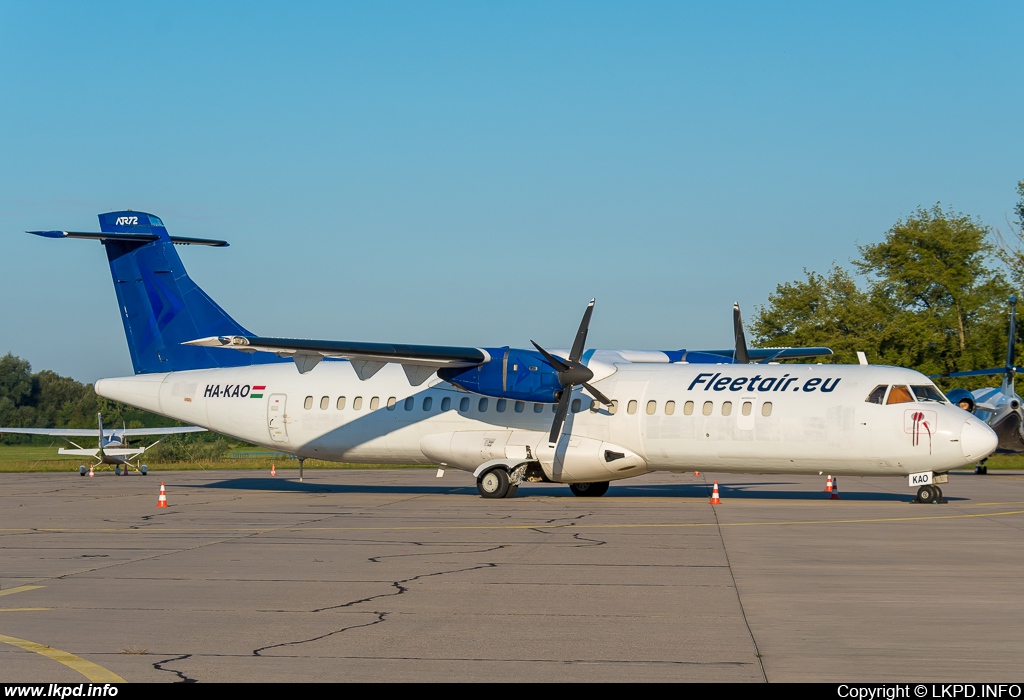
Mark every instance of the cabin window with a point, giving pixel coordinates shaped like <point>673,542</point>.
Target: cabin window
<point>688,408</point>
<point>482,406</point>
<point>391,403</point>
<point>575,405</point>
<point>309,403</point>
<point>766,408</point>
<point>427,403</point>
<point>899,394</point>
<point>614,408</point>
<point>325,402</point>
<point>520,406</point>
<point>877,394</point>
<point>464,404</point>
<point>410,403</point>
<point>538,408</point>
<point>927,392</point>
<point>357,403</point>
<point>374,403</point>
<point>747,408</point>
<point>501,405</point>
<point>631,407</point>
<point>341,403</point>
<point>708,408</point>
<point>446,403</point>
<point>652,406</point>
<point>727,408</point>
<point>670,408</point>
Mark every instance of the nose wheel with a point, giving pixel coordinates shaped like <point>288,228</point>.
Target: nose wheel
<point>930,494</point>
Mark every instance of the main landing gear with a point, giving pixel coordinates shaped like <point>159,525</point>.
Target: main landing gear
<point>496,483</point>
<point>930,494</point>
<point>591,490</point>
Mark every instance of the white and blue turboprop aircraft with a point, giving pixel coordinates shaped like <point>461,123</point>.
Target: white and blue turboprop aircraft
<point>1000,406</point>
<point>112,448</point>
<point>508,415</point>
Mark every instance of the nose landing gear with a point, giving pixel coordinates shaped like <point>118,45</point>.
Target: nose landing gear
<point>930,494</point>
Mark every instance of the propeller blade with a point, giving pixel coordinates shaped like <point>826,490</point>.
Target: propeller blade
<point>552,360</point>
<point>597,394</point>
<point>740,356</point>
<point>563,408</point>
<point>581,334</point>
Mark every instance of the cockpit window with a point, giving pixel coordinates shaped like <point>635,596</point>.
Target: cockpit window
<point>927,392</point>
<point>877,395</point>
<point>899,394</point>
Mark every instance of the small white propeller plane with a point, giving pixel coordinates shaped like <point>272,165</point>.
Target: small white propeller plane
<point>509,415</point>
<point>112,449</point>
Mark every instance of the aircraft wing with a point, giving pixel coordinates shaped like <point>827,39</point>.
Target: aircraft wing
<point>138,432</point>
<point>419,361</point>
<point>974,373</point>
<point>772,354</point>
<point>107,432</point>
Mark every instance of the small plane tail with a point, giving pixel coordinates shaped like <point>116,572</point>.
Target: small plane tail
<point>1011,350</point>
<point>161,307</point>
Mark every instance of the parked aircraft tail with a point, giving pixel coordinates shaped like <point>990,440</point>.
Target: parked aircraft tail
<point>161,307</point>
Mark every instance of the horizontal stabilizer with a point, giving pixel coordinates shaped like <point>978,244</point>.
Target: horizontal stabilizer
<point>372,355</point>
<point>124,451</point>
<point>129,237</point>
<point>79,452</point>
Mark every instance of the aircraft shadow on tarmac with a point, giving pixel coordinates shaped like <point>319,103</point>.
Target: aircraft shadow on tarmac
<point>745,491</point>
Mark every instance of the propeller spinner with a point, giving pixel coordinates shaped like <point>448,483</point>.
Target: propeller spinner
<point>572,373</point>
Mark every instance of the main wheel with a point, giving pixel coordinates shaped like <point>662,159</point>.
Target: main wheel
<point>592,489</point>
<point>926,494</point>
<point>493,483</point>
<point>144,469</point>
<point>117,471</point>
<point>81,470</point>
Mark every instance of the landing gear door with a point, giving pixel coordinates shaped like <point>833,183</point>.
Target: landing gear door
<point>275,418</point>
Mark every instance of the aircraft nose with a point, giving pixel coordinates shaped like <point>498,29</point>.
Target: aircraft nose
<point>977,440</point>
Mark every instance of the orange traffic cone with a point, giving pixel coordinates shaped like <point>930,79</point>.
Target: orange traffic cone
<point>162,501</point>
<point>90,472</point>
<point>835,490</point>
<point>828,484</point>
<point>273,471</point>
<point>715,500</point>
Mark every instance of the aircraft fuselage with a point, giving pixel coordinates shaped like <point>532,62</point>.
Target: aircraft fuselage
<point>675,417</point>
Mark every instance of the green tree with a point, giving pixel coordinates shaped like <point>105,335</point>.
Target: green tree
<point>1011,251</point>
<point>929,300</point>
<point>932,276</point>
<point>824,310</point>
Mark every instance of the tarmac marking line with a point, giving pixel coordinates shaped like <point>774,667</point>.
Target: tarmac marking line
<point>19,589</point>
<point>93,672</point>
<point>3,610</point>
<point>534,526</point>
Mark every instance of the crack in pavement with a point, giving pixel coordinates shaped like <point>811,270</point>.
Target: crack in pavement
<point>377,560</point>
<point>381,616</point>
<point>184,679</point>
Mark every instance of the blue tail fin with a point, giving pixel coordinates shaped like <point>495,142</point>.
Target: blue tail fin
<point>161,307</point>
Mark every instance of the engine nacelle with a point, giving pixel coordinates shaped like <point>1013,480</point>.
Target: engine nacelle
<point>522,375</point>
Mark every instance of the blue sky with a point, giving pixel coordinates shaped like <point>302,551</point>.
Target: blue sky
<point>473,173</point>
